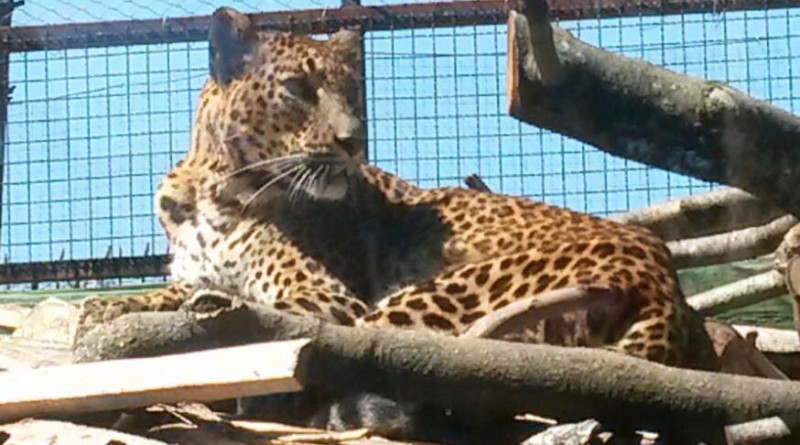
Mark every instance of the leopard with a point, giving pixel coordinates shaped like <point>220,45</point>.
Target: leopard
<point>276,203</point>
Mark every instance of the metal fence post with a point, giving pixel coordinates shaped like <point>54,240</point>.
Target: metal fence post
<point>6,10</point>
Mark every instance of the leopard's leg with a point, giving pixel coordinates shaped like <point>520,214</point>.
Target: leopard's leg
<point>647,323</point>
<point>99,310</point>
<point>342,308</point>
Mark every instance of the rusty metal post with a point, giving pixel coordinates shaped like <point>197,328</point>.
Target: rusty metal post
<point>361,73</point>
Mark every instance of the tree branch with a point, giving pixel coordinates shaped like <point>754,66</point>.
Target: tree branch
<point>633,109</point>
<point>788,249</point>
<point>731,246</point>
<point>703,214</point>
<point>778,430</point>
<point>770,339</point>
<point>740,293</point>
<point>738,354</point>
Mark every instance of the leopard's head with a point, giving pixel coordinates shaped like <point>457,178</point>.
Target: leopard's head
<point>283,106</point>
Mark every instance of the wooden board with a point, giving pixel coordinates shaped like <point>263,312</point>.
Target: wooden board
<point>37,432</point>
<point>218,374</point>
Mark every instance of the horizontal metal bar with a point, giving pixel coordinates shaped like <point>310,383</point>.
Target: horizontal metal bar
<point>313,21</point>
<point>84,270</point>
<point>370,18</point>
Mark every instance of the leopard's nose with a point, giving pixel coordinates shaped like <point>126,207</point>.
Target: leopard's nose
<point>353,145</point>
<point>352,138</point>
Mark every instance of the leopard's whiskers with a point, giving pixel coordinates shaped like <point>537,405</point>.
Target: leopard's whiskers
<point>297,179</point>
<point>272,182</point>
<point>282,161</point>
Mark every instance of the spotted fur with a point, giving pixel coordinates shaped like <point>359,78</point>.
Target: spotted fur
<point>274,203</point>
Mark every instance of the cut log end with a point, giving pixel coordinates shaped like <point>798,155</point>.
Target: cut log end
<point>512,64</point>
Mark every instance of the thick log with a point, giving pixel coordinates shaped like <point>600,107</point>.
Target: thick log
<point>639,111</point>
<point>568,384</point>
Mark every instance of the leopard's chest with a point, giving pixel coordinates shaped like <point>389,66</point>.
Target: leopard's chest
<point>219,251</point>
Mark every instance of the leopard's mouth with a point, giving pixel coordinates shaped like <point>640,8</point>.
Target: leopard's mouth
<point>326,177</point>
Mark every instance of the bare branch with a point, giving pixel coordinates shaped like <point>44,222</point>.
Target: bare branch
<point>732,246</point>
<point>581,433</point>
<point>738,355</point>
<point>771,339</point>
<point>780,346</point>
<point>741,293</point>
<point>788,249</point>
<point>792,279</point>
<point>703,214</point>
<point>778,430</point>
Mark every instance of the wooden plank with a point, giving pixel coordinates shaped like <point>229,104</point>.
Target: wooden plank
<point>25,353</point>
<point>51,432</point>
<point>218,374</point>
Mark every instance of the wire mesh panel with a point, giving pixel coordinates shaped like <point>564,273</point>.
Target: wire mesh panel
<point>90,133</point>
<point>437,104</point>
<point>91,130</point>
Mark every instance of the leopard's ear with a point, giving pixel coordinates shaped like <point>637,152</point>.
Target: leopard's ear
<point>346,43</point>
<point>231,37</point>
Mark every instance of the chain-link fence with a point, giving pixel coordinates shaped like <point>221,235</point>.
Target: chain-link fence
<point>99,111</point>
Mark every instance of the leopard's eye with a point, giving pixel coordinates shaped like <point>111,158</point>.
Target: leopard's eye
<point>301,88</point>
